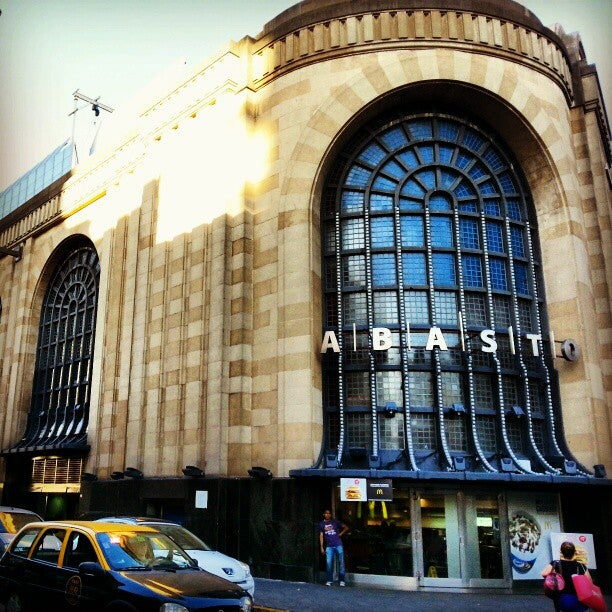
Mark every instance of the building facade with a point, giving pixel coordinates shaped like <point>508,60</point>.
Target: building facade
<point>360,261</point>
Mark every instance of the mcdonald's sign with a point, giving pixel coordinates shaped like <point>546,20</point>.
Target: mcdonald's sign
<point>380,490</point>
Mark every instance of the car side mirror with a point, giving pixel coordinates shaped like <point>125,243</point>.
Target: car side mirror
<point>91,569</point>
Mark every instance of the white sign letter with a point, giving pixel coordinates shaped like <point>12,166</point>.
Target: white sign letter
<point>436,338</point>
<point>488,338</point>
<point>534,343</point>
<point>381,338</point>
<point>330,342</point>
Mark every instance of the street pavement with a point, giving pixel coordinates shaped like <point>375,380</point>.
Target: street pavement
<point>308,597</point>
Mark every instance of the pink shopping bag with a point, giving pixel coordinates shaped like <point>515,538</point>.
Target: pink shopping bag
<point>588,593</point>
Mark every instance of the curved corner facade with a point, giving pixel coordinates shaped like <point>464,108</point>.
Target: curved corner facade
<point>365,247</point>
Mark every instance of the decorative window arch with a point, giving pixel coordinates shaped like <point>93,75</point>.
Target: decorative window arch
<point>426,232</point>
<point>59,411</point>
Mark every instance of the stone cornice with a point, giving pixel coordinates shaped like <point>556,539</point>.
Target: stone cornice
<point>538,48</point>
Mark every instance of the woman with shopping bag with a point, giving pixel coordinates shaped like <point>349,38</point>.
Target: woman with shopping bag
<point>567,600</point>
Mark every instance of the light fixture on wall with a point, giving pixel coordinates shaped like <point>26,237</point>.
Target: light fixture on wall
<point>260,472</point>
<point>88,477</point>
<point>390,409</point>
<point>117,475</point>
<point>600,470</point>
<point>132,472</point>
<point>193,471</point>
<point>570,467</point>
<point>459,464</point>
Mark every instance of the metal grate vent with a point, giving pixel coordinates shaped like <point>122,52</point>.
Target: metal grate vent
<point>56,470</point>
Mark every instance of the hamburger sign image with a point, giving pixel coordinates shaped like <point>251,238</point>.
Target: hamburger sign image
<point>353,489</point>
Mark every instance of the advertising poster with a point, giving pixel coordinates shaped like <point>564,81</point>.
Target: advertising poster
<point>585,548</point>
<point>531,520</point>
<point>353,489</point>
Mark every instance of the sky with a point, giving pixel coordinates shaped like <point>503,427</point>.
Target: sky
<point>113,48</point>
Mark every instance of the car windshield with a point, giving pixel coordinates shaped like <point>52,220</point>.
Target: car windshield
<point>184,538</point>
<point>142,550</point>
<point>12,522</point>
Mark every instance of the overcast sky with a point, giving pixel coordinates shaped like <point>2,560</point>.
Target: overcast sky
<point>113,48</point>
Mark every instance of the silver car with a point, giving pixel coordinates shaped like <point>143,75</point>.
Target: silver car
<point>11,521</point>
<point>212,561</point>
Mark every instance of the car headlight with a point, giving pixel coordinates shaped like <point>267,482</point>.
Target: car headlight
<point>246,604</point>
<point>245,567</point>
<point>173,607</point>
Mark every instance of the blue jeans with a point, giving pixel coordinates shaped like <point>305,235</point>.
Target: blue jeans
<point>568,602</point>
<point>330,552</point>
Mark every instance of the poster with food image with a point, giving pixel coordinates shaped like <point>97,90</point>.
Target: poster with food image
<point>353,489</point>
<point>531,520</point>
<point>585,548</point>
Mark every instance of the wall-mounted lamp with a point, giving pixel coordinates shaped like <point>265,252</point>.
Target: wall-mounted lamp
<point>117,476</point>
<point>260,472</point>
<point>88,477</point>
<point>599,470</point>
<point>193,471</point>
<point>16,252</point>
<point>517,411</point>
<point>507,465</point>
<point>459,464</point>
<point>131,472</point>
<point>458,408</point>
<point>570,467</point>
<point>390,409</point>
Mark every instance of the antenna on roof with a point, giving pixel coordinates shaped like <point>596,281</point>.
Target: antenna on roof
<point>96,107</point>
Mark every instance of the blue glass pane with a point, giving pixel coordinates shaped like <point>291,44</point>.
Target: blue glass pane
<point>472,140</point>
<point>468,207</point>
<point>352,201</point>
<point>412,188</point>
<point>488,188</point>
<point>441,232</point>
<point>394,138</point>
<point>444,269</point>
<point>372,155</point>
<point>494,161</point>
<point>412,231</point>
<point>514,210</point>
<point>385,308</point>
<point>409,159</point>
<point>393,169</point>
<point>472,271</point>
<point>477,171</point>
<point>383,270</point>
<point>464,160</point>
<point>521,276</point>
<point>446,153</point>
<point>470,238</point>
<point>417,307</point>
<point>448,130</point>
<point>420,129</point>
<point>414,269</point>
<point>492,208</point>
<point>463,190</point>
<point>495,237</point>
<point>507,183</point>
<point>447,179</point>
<point>427,178</point>
<point>440,202</point>
<point>384,184</point>
<point>446,307</point>
<point>518,244</point>
<point>382,232</point>
<point>406,204</point>
<point>497,271</point>
<point>379,202</point>
<point>358,176</point>
<point>427,154</point>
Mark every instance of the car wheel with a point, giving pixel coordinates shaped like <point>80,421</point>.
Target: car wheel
<point>14,603</point>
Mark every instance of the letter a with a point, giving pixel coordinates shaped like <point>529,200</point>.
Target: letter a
<point>436,339</point>
<point>330,342</point>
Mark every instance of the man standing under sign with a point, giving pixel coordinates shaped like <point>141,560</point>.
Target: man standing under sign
<point>330,539</point>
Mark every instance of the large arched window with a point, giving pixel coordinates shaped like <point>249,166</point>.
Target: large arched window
<point>427,234</point>
<point>64,358</point>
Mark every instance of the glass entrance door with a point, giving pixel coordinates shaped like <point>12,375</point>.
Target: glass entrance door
<point>460,540</point>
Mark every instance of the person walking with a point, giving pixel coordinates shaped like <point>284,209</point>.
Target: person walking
<point>330,540</point>
<point>567,600</point>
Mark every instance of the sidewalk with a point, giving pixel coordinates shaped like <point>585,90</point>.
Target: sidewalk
<point>308,597</point>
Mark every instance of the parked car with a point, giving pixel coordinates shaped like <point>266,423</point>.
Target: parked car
<point>211,560</point>
<point>11,521</point>
<point>94,566</point>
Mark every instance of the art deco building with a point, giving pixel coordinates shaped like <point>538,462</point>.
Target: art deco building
<point>361,261</point>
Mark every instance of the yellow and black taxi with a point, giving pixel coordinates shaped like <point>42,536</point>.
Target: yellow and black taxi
<point>84,565</point>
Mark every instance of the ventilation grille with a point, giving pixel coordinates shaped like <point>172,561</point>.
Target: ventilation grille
<point>57,470</point>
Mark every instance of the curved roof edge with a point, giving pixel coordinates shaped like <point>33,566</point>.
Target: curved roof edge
<point>309,12</point>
